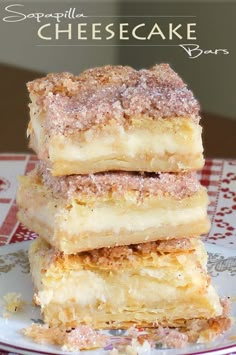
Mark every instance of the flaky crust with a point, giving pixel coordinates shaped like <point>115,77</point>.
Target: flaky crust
<point>147,162</point>
<point>156,284</point>
<point>116,257</point>
<point>124,257</point>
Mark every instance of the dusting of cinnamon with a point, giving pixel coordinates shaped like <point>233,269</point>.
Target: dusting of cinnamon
<point>117,184</point>
<point>128,255</point>
<point>111,93</point>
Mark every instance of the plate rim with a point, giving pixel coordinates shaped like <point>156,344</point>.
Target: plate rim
<point>8,347</point>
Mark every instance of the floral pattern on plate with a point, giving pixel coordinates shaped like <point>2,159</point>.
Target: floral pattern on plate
<point>15,278</point>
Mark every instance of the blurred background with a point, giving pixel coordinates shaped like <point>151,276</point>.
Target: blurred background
<point>212,77</point>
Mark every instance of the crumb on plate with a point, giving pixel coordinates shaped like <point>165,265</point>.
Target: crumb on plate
<point>13,303</point>
<point>80,338</point>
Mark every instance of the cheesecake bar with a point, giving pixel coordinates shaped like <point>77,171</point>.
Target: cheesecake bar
<point>81,212</point>
<point>162,283</point>
<point>115,118</point>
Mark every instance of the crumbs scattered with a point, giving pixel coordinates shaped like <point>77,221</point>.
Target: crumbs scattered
<point>12,303</point>
<point>136,348</point>
<point>117,184</point>
<point>80,338</point>
<point>134,341</point>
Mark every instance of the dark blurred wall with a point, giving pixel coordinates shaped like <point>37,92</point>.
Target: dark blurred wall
<point>21,46</point>
<point>14,110</point>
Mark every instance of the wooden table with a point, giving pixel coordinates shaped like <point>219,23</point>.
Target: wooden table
<point>218,132</point>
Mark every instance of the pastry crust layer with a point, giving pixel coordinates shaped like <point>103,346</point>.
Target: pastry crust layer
<point>75,289</point>
<point>83,220</point>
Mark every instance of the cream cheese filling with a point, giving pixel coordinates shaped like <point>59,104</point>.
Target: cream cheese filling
<point>115,218</point>
<point>86,288</point>
<point>119,143</point>
<point>127,145</point>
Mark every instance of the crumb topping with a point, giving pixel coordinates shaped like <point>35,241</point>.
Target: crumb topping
<point>117,184</point>
<point>13,303</point>
<point>99,96</point>
<point>125,256</point>
<point>116,256</point>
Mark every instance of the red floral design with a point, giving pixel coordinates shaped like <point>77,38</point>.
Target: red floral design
<point>22,234</point>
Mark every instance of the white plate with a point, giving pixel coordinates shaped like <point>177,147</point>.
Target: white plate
<point>14,277</point>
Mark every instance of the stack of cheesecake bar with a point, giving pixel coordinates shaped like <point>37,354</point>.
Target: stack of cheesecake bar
<point>115,200</point>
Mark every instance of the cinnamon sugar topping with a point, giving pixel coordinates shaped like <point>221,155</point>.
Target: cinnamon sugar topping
<point>119,183</point>
<point>111,93</point>
<point>116,256</point>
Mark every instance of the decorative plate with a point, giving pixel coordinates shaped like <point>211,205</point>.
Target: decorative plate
<point>14,277</point>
